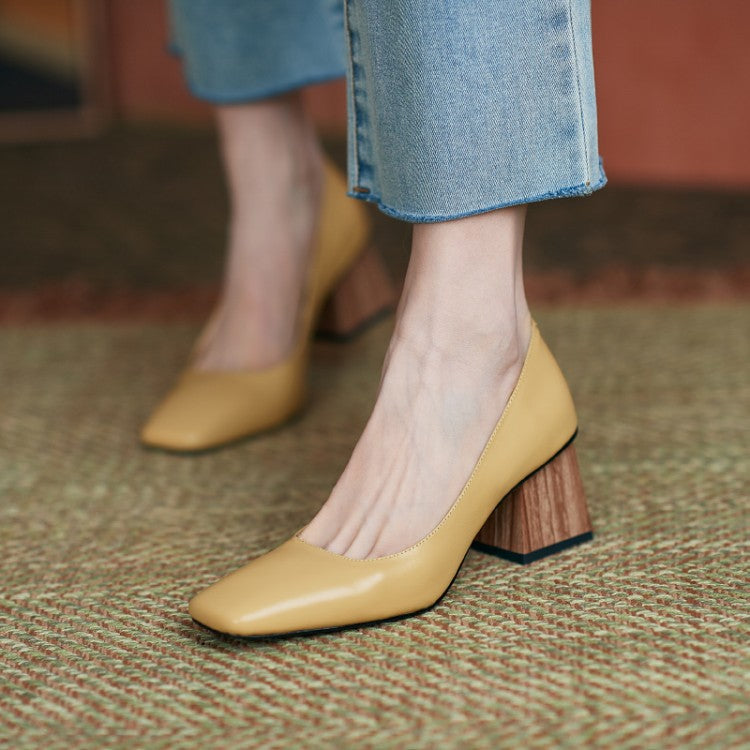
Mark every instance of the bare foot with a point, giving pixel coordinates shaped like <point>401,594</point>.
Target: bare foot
<point>274,170</point>
<point>461,336</point>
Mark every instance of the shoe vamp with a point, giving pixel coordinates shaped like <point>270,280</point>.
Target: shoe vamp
<point>301,587</point>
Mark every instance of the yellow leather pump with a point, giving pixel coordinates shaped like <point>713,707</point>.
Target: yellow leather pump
<point>346,286</point>
<point>528,463</point>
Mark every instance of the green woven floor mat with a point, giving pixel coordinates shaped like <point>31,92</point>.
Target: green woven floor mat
<point>638,639</point>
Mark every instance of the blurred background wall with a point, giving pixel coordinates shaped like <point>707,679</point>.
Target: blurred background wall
<point>673,84</point>
<point>672,78</point>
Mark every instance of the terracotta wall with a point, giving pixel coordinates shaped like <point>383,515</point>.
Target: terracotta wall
<point>673,87</point>
<point>672,81</point>
<point>146,80</point>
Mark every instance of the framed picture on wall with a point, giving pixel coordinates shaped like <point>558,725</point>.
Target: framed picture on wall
<point>52,68</point>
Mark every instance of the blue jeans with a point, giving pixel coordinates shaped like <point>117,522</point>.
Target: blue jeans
<point>455,107</point>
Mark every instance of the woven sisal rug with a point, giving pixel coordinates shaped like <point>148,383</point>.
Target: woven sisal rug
<point>638,639</point>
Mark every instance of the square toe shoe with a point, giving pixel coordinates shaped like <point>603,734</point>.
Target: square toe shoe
<point>300,588</point>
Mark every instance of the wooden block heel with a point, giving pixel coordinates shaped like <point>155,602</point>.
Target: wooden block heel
<point>542,515</point>
<point>364,293</point>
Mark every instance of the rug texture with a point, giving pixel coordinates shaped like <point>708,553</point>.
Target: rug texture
<point>638,639</point>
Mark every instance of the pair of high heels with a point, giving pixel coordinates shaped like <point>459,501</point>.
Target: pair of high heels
<point>523,500</point>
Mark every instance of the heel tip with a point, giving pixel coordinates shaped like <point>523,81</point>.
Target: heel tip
<point>537,554</point>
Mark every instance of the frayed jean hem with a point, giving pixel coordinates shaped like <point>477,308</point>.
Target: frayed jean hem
<point>568,192</point>
<point>582,189</point>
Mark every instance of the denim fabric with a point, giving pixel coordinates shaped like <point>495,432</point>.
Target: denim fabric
<point>455,106</point>
<point>240,50</point>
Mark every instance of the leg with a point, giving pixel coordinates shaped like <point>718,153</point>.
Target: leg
<point>434,137</point>
<point>273,164</point>
<point>297,246</point>
<point>461,335</point>
<point>250,60</point>
<point>458,112</point>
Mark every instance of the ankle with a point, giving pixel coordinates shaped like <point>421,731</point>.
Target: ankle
<point>496,329</point>
<point>464,288</point>
<point>270,149</point>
